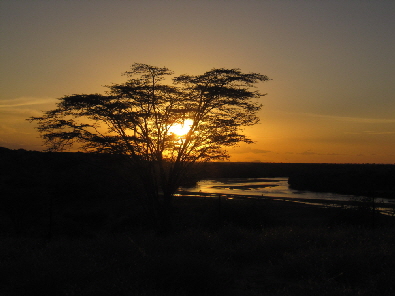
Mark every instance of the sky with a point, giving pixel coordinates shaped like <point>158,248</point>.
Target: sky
<point>332,64</point>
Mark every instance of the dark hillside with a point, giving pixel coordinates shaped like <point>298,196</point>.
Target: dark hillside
<point>68,226</point>
<point>39,190</point>
<point>63,173</point>
<point>367,179</point>
<point>95,174</point>
<point>37,187</point>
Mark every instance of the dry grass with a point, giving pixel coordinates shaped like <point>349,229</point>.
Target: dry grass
<point>243,247</point>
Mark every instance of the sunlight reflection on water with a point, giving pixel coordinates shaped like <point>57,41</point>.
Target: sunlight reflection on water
<point>270,187</point>
<point>265,187</point>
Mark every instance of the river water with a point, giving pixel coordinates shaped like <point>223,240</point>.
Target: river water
<point>269,187</point>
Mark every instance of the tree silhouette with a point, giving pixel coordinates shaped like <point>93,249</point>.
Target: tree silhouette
<point>136,119</point>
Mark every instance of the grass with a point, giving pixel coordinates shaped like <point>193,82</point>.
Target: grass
<point>238,247</point>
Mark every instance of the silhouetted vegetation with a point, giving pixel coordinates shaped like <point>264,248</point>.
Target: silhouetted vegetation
<point>135,120</point>
<point>358,179</point>
<point>103,243</point>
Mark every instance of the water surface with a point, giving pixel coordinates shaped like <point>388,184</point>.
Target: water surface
<point>268,187</point>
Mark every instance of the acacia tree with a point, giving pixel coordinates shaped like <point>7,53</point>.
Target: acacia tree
<point>137,118</point>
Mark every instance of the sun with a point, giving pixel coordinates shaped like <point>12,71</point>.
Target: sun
<point>181,129</point>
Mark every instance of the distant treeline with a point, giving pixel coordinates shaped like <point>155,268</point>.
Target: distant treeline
<point>365,179</point>
<point>71,174</point>
<point>42,191</point>
<point>100,174</point>
<point>39,190</point>
<point>356,179</point>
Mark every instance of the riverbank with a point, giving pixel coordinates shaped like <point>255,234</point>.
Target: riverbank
<point>260,212</point>
<point>383,206</point>
<point>71,224</point>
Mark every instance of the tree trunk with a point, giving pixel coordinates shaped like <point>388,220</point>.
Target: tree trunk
<point>166,215</point>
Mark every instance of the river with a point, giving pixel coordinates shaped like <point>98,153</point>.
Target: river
<point>274,188</point>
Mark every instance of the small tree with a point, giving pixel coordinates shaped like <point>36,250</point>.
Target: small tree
<point>161,129</point>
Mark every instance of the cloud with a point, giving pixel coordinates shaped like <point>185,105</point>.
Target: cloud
<point>310,152</point>
<point>250,150</point>
<point>346,118</point>
<point>352,119</point>
<point>4,129</point>
<point>370,133</point>
<point>259,151</point>
<point>25,101</point>
<point>378,133</point>
<point>18,112</point>
<point>24,107</point>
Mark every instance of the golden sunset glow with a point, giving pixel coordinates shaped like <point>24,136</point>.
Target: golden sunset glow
<point>181,129</point>
<point>331,97</point>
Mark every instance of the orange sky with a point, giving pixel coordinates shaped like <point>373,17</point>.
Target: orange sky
<point>332,97</point>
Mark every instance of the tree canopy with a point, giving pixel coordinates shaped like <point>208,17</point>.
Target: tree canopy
<point>139,119</point>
